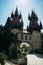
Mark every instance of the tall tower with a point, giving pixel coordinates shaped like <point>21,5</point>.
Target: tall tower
<point>35,29</point>
<point>15,21</point>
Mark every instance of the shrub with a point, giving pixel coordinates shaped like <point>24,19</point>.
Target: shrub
<point>2,58</point>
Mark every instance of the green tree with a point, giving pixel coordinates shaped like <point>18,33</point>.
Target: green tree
<point>5,39</point>
<point>14,46</point>
<point>3,57</point>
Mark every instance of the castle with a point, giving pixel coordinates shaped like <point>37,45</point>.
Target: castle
<point>32,34</point>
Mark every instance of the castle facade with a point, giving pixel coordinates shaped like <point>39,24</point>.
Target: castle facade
<point>31,34</point>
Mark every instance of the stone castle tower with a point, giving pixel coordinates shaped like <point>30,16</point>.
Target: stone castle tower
<point>35,29</point>
<point>15,21</point>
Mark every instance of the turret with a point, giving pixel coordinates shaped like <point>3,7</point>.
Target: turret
<point>12,15</point>
<point>20,16</point>
<point>40,25</point>
<point>16,12</point>
<point>34,16</point>
<point>33,25</point>
<point>15,21</point>
<point>27,28</point>
<point>21,24</point>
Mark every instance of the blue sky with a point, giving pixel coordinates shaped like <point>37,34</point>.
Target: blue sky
<point>24,6</point>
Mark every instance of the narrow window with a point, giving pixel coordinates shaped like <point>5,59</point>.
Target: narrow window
<point>25,37</point>
<point>22,36</point>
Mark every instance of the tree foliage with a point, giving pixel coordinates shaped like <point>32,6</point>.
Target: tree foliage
<point>7,40</point>
<point>2,58</point>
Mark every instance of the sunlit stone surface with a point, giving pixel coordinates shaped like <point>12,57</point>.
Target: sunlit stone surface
<point>8,63</point>
<point>34,59</point>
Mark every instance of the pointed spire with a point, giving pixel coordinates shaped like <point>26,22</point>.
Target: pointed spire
<point>40,25</point>
<point>32,13</point>
<point>29,17</point>
<point>20,16</point>
<point>8,19</point>
<point>16,12</point>
<point>34,16</point>
<point>27,28</point>
<point>33,25</point>
<point>12,14</point>
<point>21,22</point>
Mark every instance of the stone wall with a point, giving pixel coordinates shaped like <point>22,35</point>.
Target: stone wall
<point>36,40</point>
